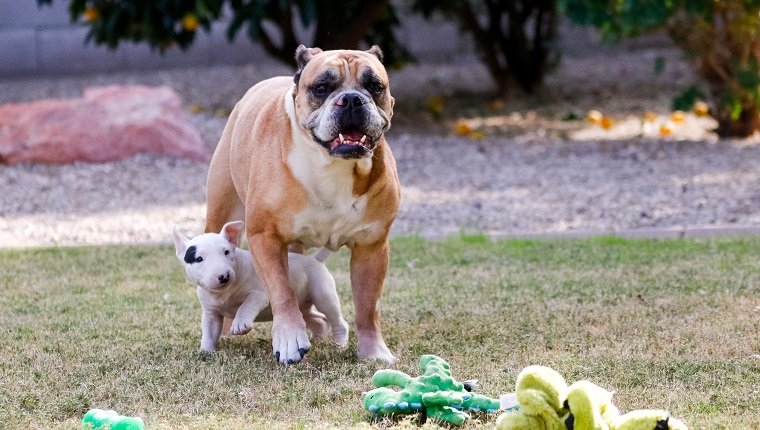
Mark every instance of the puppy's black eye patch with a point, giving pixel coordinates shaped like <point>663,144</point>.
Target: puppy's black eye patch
<point>190,255</point>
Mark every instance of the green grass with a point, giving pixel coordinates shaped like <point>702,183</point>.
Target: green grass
<point>665,324</point>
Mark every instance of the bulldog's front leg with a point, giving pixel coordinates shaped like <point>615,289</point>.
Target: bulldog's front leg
<point>289,338</point>
<point>369,265</point>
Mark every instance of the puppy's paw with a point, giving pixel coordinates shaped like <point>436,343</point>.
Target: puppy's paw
<point>317,324</point>
<point>240,327</point>
<point>340,333</point>
<point>290,342</point>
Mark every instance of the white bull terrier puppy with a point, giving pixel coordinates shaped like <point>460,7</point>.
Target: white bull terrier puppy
<point>228,286</point>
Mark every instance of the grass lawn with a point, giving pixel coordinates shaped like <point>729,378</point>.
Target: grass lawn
<point>665,324</point>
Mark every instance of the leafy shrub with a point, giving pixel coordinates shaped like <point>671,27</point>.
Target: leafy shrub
<point>163,24</point>
<point>721,37</point>
<point>515,38</point>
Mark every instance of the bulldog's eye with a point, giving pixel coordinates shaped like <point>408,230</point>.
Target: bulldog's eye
<point>375,88</point>
<point>198,259</point>
<point>321,90</point>
<point>226,252</point>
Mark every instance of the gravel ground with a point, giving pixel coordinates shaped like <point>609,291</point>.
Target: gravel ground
<point>545,177</point>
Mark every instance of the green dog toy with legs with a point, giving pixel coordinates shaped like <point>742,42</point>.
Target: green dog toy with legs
<point>102,419</point>
<point>435,393</point>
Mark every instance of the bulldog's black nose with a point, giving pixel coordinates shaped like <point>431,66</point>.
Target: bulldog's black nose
<point>223,279</point>
<point>350,100</point>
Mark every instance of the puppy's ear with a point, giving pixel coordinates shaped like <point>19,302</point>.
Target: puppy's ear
<point>231,231</point>
<point>303,55</point>
<point>377,52</point>
<point>180,243</point>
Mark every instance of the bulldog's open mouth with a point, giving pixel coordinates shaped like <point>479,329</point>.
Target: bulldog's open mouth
<point>351,143</point>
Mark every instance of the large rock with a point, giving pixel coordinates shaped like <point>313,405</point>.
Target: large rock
<point>108,123</point>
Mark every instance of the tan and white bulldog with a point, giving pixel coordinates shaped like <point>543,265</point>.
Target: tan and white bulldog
<point>304,161</point>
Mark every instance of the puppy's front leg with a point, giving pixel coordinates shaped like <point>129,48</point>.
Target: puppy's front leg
<point>369,263</point>
<point>246,313</point>
<point>211,328</point>
<point>289,338</point>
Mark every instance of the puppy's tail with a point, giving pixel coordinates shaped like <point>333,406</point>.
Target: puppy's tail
<point>322,255</point>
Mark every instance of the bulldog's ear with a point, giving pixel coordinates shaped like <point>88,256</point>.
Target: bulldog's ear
<point>303,55</point>
<point>377,52</point>
<point>231,231</point>
<point>180,243</point>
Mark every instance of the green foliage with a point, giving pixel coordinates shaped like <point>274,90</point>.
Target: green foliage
<point>686,100</point>
<point>163,24</point>
<point>722,37</point>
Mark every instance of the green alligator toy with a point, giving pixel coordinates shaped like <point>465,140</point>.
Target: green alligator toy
<point>96,419</point>
<point>435,394</point>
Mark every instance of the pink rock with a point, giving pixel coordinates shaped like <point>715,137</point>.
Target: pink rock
<point>108,123</point>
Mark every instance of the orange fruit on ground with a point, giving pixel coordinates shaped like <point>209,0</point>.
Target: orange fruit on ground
<point>701,108</point>
<point>461,128</point>
<point>678,116</point>
<point>594,117</point>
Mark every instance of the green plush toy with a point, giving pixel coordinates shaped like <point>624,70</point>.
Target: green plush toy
<point>435,393</point>
<point>547,403</point>
<point>107,419</point>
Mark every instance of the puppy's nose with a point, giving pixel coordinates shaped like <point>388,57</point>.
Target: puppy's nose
<point>223,279</point>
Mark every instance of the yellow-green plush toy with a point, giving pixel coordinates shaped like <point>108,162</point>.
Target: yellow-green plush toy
<point>547,403</point>
<point>591,408</point>
<point>541,393</point>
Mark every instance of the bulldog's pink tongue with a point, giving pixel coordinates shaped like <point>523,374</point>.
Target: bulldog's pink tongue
<point>354,136</point>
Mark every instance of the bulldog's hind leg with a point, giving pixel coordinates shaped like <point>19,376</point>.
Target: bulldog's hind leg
<point>223,201</point>
<point>223,204</point>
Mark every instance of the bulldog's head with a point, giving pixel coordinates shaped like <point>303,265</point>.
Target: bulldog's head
<point>342,99</point>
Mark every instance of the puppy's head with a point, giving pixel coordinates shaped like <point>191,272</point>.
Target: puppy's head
<point>342,99</point>
<point>209,259</point>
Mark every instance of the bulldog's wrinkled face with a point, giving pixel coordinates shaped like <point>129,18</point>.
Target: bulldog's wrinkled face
<point>209,259</point>
<point>343,100</point>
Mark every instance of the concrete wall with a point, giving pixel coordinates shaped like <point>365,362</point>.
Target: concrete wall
<point>35,41</point>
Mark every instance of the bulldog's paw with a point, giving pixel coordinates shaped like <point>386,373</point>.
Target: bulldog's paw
<point>240,327</point>
<point>290,342</point>
<point>374,350</point>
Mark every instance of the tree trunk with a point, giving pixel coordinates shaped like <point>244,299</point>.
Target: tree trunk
<point>747,123</point>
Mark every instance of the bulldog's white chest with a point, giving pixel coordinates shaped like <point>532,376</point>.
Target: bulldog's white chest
<point>333,216</point>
